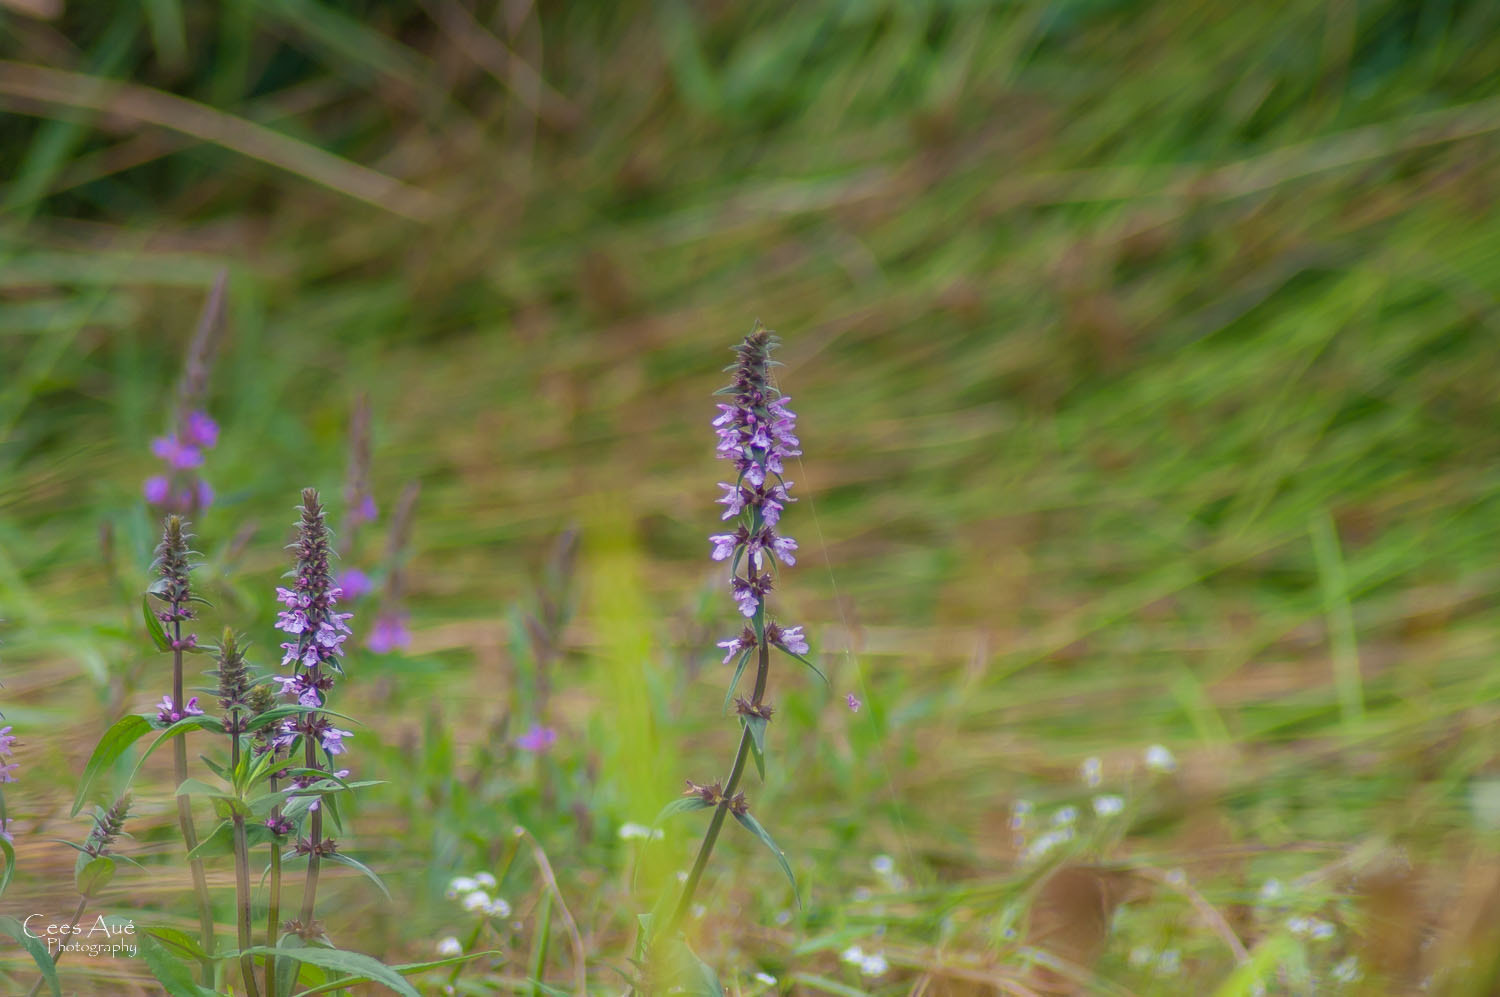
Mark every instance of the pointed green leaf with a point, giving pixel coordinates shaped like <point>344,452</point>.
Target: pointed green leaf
<point>175,977</point>
<point>354,863</point>
<point>10,864</point>
<point>341,960</point>
<point>124,732</point>
<point>154,627</point>
<point>94,875</point>
<point>178,942</point>
<point>752,825</point>
<point>680,971</point>
<point>36,948</point>
<point>800,658</point>
<point>405,968</point>
<point>681,805</point>
<point>757,727</point>
<point>739,669</point>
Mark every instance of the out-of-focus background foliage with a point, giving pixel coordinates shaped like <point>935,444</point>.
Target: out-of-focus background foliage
<point>1146,359</point>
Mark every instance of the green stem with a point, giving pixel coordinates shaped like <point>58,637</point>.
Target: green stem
<point>77,916</point>
<point>273,928</point>
<point>185,816</point>
<point>242,902</point>
<point>315,829</point>
<point>716,823</point>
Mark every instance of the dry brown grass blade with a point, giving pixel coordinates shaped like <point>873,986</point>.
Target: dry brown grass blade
<point>580,960</point>
<point>156,107</point>
<point>500,61</point>
<point>1207,911</point>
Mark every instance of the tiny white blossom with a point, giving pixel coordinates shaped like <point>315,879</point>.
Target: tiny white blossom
<point>477,900</point>
<point>639,832</point>
<point>1168,963</point>
<point>883,865</point>
<point>1176,877</point>
<point>1320,930</point>
<point>1108,806</point>
<point>1299,926</point>
<point>1092,772</point>
<point>698,911</point>
<point>450,946</point>
<point>852,954</point>
<point>485,880</point>
<point>459,885</point>
<point>874,965</point>
<point>1065,815</point>
<point>766,978</point>
<point>1347,971</point>
<point>1159,759</point>
<point>861,894</point>
<point>1044,843</point>
<point>1271,890</point>
<point>1141,956</point>
<point>497,908</point>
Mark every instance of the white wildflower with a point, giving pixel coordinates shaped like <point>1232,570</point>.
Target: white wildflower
<point>1108,805</point>
<point>477,900</point>
<point>459,885</point>
<point>1159,759</point>
<point>450,946</point>
<point>1092,772</point>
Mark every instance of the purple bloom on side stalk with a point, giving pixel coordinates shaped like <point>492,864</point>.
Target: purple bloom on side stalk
<point>537,739</point>
<point>388,634</point>
<point>169,712</point>
<point>854,704</point>
<point>200,430</point>
<point>355,584</point>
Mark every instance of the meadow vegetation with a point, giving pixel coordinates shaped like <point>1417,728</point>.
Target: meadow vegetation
<point>1144,355</point>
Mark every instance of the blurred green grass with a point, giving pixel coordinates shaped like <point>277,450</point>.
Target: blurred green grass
<point>1145,360</point>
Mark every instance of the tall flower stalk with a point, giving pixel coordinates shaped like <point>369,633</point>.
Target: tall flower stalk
<point>235,700</point>
<point>93,871</point>
<point>173,589</point>
<point>181,488</point>
<point>317,635</point>
<point>756,434</point>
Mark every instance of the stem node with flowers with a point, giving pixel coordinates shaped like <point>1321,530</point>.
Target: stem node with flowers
<point>756,434</point>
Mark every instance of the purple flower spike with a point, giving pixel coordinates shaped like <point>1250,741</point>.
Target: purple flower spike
<point>537,739</point>
<point>156,489</point>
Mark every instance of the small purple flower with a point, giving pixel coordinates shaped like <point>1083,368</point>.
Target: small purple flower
<point>367,510</point>
<point>355,583</point>
<point>169,712</point>
<point>724,544</point>
<point>744,597</point>
<point>854,704</point>
<point>790,638</point>
<point>157,488</point>
<point>537,739</point>
<point>388,634</point>
<point>292,621</point>
<point>201,430</point>
<point>333,740</point>
<point>205,494</point>
<point>8,772</point>
<point>733,500</point>
<point>177,454</point>
<point>5,831</point>
<point>735,645</point>
<point>7,739</point>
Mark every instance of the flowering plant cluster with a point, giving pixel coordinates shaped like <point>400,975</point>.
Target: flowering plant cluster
<point>756,432</point>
